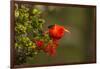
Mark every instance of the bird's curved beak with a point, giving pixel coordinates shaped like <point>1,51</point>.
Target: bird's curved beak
<point>67,31</point>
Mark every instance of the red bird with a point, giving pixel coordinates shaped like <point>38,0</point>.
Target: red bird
<point>56,32</point>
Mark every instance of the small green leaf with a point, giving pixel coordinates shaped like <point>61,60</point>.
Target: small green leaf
<point>36,11</point>
<point>16,13</point>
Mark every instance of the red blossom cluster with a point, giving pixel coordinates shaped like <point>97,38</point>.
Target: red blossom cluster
<point>39,43</point>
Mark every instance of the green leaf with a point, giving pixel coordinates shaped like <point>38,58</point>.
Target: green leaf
<point>16,13</point>
<point>36,11</point>
<point>41,21</point>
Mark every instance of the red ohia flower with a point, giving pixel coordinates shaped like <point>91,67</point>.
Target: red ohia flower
<point>56,32</point>
<point>51,50</point>
<point>39,43</point>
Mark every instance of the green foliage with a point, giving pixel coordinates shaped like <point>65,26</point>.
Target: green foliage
<point>28,26</point>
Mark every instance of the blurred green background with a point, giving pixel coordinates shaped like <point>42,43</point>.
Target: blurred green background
<point>76,47</point>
